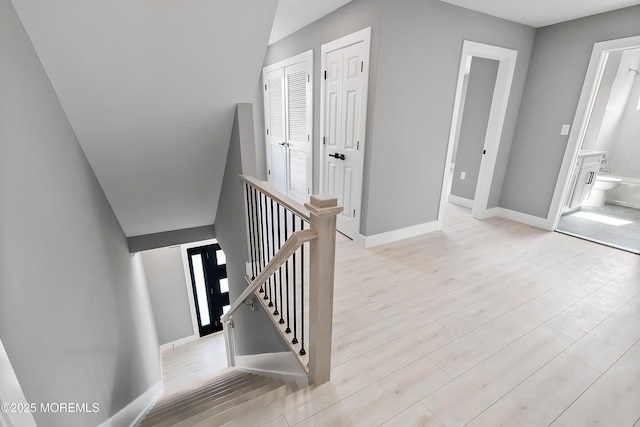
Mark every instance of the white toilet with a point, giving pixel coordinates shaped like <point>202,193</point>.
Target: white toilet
<point>599,191</point>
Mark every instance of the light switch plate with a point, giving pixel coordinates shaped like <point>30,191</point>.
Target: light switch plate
<point>565,129</point>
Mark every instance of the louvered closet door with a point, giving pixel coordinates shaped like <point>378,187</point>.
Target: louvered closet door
<point>298,130</point>
<point>274,105</point>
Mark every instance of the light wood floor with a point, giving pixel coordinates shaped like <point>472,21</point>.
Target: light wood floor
<point>486,323</point>
<point>194,363</point>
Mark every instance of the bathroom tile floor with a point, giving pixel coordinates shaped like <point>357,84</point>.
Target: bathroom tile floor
<point>613,225</point>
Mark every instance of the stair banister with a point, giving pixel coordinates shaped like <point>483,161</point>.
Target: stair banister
<point>285,201</point>
<point>291,245</point>
<point>273,264</point>
<point>323,210</point>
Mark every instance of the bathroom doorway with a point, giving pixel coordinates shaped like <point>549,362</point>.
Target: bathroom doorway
<point>601,190</point>
<point>468,177</point>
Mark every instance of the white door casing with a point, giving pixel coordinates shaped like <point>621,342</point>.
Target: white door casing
<point>288,109</point>
<point>506,69</point>
<point>345,65</point>
<point>597,63</point>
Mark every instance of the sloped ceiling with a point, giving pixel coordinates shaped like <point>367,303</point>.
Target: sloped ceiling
<point>150,88</point>
<point>293,15</point>
<point>540,13</point>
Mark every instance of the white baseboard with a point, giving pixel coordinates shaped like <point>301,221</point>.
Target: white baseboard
<point>400,234</point>
<point>179,342</point>
<point>131,414</point>
<point>280,365</point>
<point>460,201</point>
<point>534,221</point>
<point>623,203</point>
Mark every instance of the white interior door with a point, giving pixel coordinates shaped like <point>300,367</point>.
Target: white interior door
<point>289,124</point>
<point>275,129</point>
<point>344,117</point>
<point>299,122</point>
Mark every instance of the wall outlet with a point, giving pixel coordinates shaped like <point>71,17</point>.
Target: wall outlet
<point>565,129</point>
<point>463,175</point>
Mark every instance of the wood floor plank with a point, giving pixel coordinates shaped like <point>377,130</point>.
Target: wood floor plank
<point>542,397</point>
<point>415,416</point>
<point>607,342</point>
<point>471,393</point>
<point>612,400</point>
<point>468,351</point>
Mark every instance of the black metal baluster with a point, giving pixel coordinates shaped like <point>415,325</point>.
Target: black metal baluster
<point>250,220</point>
<point>295,313</point>
<point>256,233</point>
<point>262,251</point>
<point>302,350</point>
<point>273,253</point>
<point>288,330</point>
<point>265,252</point>
<point>281,321</point>
<point>286,233</point>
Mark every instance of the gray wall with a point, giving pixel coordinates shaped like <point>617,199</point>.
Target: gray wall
<point>473,129</point>
<point>254,332</point>
<point>75,316</point>
<point>168,293</point>
<point>558,67</point>
<point>416,47</point>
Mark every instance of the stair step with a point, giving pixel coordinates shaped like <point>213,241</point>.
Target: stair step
<point>240,409</point>
<point>233,394</point>
<point>204,393</point>
<point>203,402</point>
<point>202,386</point>
<point>190,416</point>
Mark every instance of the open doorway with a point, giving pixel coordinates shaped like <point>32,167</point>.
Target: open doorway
<point>484,83</point>
<point>597,196</point>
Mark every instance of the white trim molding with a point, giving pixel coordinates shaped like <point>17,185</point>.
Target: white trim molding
<point>460,201</point>
<point>399,234</point>
<point>534,221</point>
<point>179,342</point>
<point>133,413</point>
<point>11,392</point>
<point>280,365</point>
<point>500,101</point>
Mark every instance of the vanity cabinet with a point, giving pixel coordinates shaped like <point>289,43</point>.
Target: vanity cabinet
<point>583,178</point>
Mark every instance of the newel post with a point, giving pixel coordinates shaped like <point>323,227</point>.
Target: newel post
<point>323,211</point>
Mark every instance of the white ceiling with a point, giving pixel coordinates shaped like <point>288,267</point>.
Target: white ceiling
<point>293,15</point>
<point>150,87</point>
<point>539,13</point>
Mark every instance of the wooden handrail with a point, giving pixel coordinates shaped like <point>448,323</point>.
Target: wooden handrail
<point>292,244</point>
<point>287,202</point>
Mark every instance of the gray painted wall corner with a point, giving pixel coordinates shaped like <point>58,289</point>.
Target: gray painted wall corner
<point>254,332</point>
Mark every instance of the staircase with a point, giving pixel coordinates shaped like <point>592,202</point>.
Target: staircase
<point>217,401</point>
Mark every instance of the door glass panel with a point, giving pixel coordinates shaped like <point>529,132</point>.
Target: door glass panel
<point>201,290</point>
<point>224,285</point>
<point>220,257</point>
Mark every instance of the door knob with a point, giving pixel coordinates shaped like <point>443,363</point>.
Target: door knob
<point>337,156</point>
<point>286,144</point>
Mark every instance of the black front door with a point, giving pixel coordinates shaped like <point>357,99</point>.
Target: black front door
<point>208,267</point>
